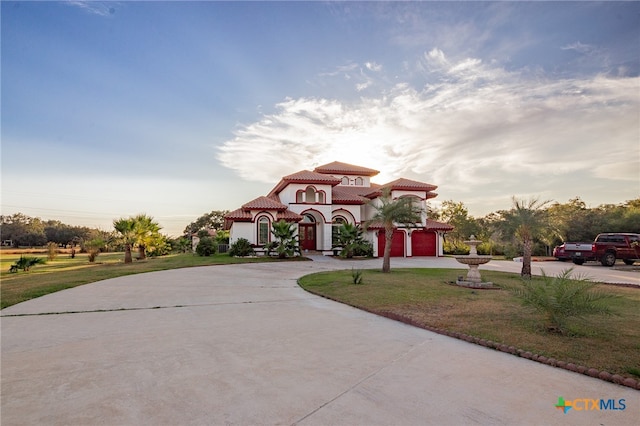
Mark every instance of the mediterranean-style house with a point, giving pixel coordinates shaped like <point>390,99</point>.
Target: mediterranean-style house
<point>330,195</point>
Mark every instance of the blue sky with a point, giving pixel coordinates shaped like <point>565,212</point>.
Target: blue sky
<point>175,109</point>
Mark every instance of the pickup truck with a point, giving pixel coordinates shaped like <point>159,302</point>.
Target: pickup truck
<point>606,248</point>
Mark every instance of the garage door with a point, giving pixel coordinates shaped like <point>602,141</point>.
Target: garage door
<point>423,243</point>
<point>397,244</point>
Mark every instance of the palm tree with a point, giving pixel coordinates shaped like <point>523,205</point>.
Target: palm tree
<point>561,297</point>
<point>390,212</point>
<point>349,237</point>
<point>285,241</point>
<point>126,228</point>
<point>525,221</point>
<point>146,231</point>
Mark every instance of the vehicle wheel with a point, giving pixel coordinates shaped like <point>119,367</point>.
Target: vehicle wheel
<point>578,261</point>
<point>609,259</point>
<point>628,261</point>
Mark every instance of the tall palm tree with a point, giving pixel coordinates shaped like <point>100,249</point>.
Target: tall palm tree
<point>146,231</point>
<point>390,212</point>
<point>126,228</point>
<point>525,221</point>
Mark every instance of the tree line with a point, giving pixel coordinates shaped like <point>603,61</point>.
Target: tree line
<point>550,223</point>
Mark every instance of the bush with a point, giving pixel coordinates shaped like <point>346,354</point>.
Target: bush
<point>206,246</point>
<point>94,248</point>
<point>363,248</point>
<point>356,276</point>
<point>25,263</point>
<point>241,248</point>
<point>561,297</point>
<point>52,250</point>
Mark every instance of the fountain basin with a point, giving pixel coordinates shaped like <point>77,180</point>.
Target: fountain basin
<point>476,260</point>
<point>473,260</point>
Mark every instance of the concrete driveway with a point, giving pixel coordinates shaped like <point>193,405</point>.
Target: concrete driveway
<point>244,345</point>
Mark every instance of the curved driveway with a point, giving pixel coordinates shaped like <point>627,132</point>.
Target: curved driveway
<point>243,344</point>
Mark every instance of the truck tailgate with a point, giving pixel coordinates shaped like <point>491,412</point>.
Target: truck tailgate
<point>586,247</point>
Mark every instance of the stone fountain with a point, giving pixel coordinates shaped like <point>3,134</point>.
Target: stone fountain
<point>473,259</point>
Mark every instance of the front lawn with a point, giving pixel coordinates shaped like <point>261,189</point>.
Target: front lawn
<point>427,298</point>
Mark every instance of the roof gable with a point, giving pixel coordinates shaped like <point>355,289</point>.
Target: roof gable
<point>403,184</point>
<point>264,203</point>
<point>345,169</point>
<point>304,176</point>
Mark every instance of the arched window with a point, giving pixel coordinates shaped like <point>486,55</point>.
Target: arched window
<point>345,181</point>
<point>311,194</point>
<point>308,218</point>
<point>359,181</point>
<point>263,230</point>
<point>299,197</point>
<point>321,197</point>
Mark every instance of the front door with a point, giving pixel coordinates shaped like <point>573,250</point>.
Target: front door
<point>307,233</point>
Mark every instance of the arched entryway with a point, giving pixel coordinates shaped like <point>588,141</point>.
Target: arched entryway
<point>397,243</point>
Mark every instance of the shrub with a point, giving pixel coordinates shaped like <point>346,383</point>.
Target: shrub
<point>285,242</point>
<point>52,250</point>
<point>94,247</point>
<point>241,248</point>
<point>206,246</point>
<point>356,276</point>
<point>561,297</point>
<point>25,263</point>
<point>363,248</point>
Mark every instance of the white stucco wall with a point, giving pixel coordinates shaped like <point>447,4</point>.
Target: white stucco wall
<point>242,230</point>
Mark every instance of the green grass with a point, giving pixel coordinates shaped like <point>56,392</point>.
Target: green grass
<point>64,272</point>
<point>427,297</point>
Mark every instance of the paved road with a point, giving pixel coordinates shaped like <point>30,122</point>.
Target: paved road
<point>243,344</point>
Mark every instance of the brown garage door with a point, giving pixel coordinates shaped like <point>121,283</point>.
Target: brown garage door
<point>423,243</point>
<point>397,244</point>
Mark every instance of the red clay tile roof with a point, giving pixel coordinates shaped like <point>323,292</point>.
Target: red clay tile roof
<point>409,185</point>
<point>239,215</point>
<point>404,185</point>
<point>304,176</point>
<point>350,194</point>
<point>289,216</point>
<point>433,225</point>
<point>264,203</point>
<point>345,169</point>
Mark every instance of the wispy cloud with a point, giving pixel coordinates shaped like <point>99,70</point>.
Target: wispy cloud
<point>101,8</point>
<point>579,47</point>
<point>475,126</point>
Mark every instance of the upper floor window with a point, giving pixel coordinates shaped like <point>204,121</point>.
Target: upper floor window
<point>310,196</point>
<point>359,181</point>
<point>345,181</point>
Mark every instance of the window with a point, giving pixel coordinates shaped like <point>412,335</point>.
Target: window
<point>321,197</point>
<point>299,197</point>
<point>345,181</point>
<point>263,230</point>
<point>311,194</point>
<point>359,181</point>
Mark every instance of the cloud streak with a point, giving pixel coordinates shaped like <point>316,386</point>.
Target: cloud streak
<point>474,126</point>
<point>95,7</point>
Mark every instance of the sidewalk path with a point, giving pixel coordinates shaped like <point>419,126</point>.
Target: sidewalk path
<point>244,345</point>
